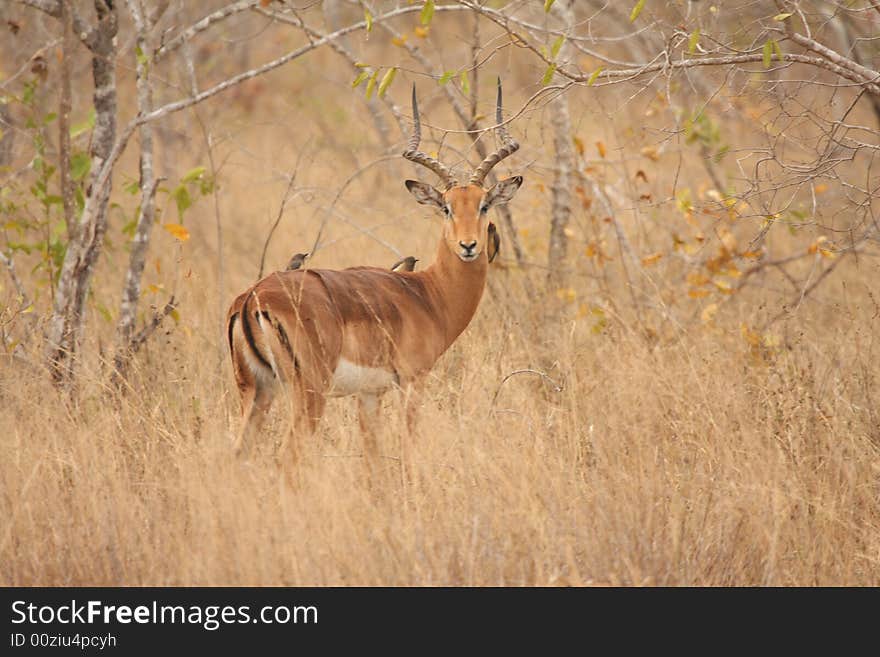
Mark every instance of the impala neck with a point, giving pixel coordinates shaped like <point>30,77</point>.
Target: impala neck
<point>458,287</point>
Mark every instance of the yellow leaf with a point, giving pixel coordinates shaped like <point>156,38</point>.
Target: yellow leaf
<point>422,32</point>
<point>708,313</point>
<point>698,294</point>
<point>178,231</point>
<point>578,144</point>
<point>652,259</point>
<point>728,239</point>
<point>567,294</point>
<point>750,336</point>
<point>723,286</point>
<point>651,153</point>
<point>821,188</point>
<point>399,41</point>
<point>815,246</point>
<point>600,146</point>
<point>696,279</point>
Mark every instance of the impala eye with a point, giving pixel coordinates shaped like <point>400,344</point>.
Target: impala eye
<point>447,211</point>
<point>484,209</point>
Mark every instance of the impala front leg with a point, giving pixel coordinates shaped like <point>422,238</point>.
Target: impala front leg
<point>368,415</point>
<point>306,410</point>
<point>413,393</point>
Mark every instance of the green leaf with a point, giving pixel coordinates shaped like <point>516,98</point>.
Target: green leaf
<point>557,45</point>
<point>79,128</point>
<point>636,10</point>
<point>80,165</point>
<point>105,313</point>
<point>427,12</point>
<point>372,84</point>
<point>387,79</point>
<point>768,53</point>
<point>594,76</point>
<point>369,18</point>
<point>193,175</point>
<point>693,40</point>
<point>141,57</point>
<point>182,199</point>
<point>51,116</point>
<point>777,50</point>
<point>175,315</point>
<point>781,17</point>
<point>548,4</point>
<point>465,82</point>
<point>446,77</point>
<point>131,187</point>
<point>363,75</point>
<point>548,74</point>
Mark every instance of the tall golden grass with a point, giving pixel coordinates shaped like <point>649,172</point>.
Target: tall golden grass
<point>674,454</point>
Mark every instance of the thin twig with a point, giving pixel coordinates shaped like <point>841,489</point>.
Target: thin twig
<point>291,179</point>
<point>556,386</point>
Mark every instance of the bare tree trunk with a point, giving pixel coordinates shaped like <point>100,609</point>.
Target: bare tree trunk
<point>66,323</point>
<point>131,291</point>
<point>7,140</point>
<point>560,214</point>
<point>64,109</point>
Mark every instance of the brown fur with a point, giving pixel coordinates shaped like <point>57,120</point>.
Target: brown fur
<point>293,327</point>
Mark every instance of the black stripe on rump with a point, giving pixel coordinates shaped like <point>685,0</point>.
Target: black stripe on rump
<point>282,337</point>
<point>229,331</point>
<point>249,334</point>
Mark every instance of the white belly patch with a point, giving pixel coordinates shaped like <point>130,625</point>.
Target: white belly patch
<point>350,379</point>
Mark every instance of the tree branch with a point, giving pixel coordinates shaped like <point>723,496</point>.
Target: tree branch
<point>202,25</point>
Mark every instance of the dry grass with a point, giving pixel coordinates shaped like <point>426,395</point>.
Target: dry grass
<point>689,457</point>
<point>688,462</point>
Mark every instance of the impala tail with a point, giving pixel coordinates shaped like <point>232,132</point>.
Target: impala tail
<point>255,339</point>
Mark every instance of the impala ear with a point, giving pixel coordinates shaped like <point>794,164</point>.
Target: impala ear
<point>494,244</point>
<point>425,194</point>
<point>503,191</point>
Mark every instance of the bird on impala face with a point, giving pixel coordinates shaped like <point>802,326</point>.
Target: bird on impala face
<point>494,244</point>
<point>406,264</point>
<point>297,261</point>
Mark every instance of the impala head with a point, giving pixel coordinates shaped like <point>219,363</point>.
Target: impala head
<point>465,207</point>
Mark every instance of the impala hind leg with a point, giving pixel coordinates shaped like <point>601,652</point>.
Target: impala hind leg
<point>255,403</point>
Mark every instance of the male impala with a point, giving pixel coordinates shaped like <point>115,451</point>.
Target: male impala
<point>362,331</point>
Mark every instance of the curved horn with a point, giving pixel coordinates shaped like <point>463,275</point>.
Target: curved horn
<point>508,147</point>
<point>414,155</point>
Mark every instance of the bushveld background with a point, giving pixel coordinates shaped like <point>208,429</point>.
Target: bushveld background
<point>674,375</point>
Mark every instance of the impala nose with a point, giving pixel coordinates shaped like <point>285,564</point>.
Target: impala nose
<point>469,247</point>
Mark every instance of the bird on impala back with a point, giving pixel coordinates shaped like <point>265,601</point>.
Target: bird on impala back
<point>297,261</point>
<point>406,264</point>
